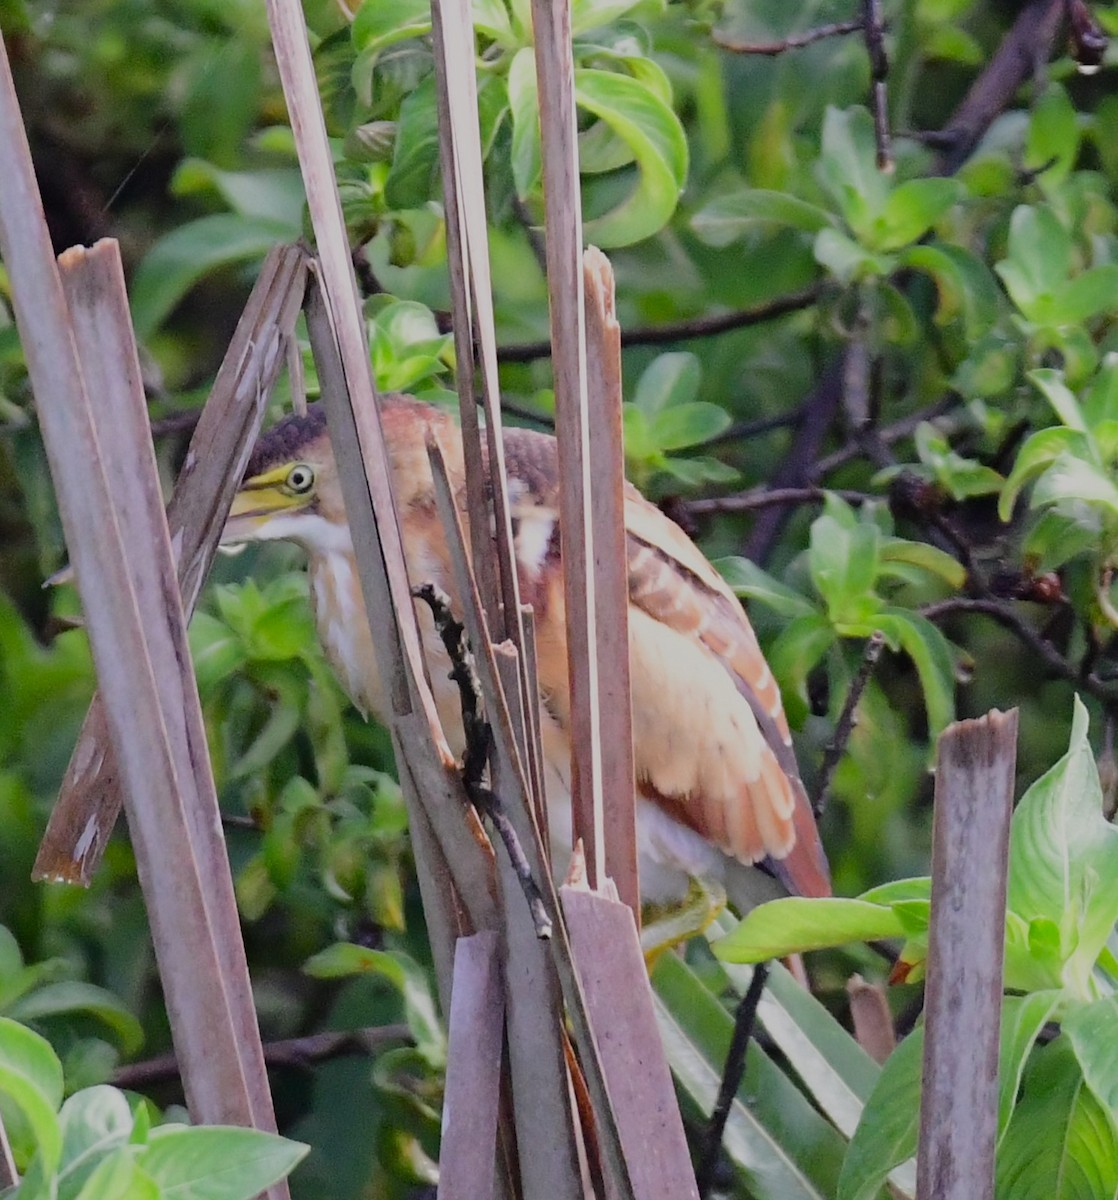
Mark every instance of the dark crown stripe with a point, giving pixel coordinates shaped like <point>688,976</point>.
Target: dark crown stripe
<point>283,442</point>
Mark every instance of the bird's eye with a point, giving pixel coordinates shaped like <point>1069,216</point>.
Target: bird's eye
<point>300,479</point>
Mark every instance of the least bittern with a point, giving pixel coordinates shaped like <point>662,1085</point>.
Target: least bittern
<point>718,789</point>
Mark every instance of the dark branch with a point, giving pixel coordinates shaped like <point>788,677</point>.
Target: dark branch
<point>681,331</point>
<point>1006,616</point>
<point>836,747</point>
<point>1028,44</point>
<point>874,27</point>
<point>479,740</point>
<point>796,42</point>
<point>762,498</point>
<point>291,1052</point>
<point>732,1074</point>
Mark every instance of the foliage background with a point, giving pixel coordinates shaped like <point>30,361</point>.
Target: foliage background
<point>966,318</point>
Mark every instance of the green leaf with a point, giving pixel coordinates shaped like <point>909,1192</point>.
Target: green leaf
<point>730,217</point>
<point>654,134</point>
<point>117,1177</point>
<point>837,1072</point>
<point>1052,144</point>
<point>794,655</point>
<point>527,165</point>
<point>378,25</point>
<point>593,14</point>
<point>1023,1018</point>
<point>767,1167</point>
<point>1090,1029</point>
<point>845,258</point>
<point>216,1162</point>
<point>931,655</point>
<point>94,1122</point>
<point>847,167</point>
<point>492,19</point>
<point>843,559</point>
<point>73,996</point>
<point>887,1133</point>
<point>1088,295</point>
<point>30,1092</point>
<point>748,579</point>
<point>911,210</point>
<point>409,979</point>
<point>685,425</point>
<point>1100,402</point>
<point>1063,856</point>
<point>275,194</point>
<point>964,284</point>
<point>920,554</point>
<point>668,380</point>
<point>180,258</point>
<point>1037,454</point>
<point>1039,258</point>
<point>1073,478</point>
<point>1061,1144</point>
<point>796,924</point>
<point>415,158</point>
<point>775,1122</point>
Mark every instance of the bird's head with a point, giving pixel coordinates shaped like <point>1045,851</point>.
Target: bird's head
<point>290,490</point>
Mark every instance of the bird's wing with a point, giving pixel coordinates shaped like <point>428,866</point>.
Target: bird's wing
<point>711,741</point>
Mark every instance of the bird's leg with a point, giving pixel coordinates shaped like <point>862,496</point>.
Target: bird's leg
<point>666,926</point>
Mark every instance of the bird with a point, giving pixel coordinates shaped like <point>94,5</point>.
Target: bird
<point>719,799</point>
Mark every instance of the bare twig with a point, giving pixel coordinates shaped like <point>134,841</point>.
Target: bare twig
<point>874,28</point>
<point>795,42</point>
<point>289,1052</point>
<point>732,1074</point>
<point>682,331</point>
<point>479,740</point>
<point>761,498</point>
<point>847,719</point>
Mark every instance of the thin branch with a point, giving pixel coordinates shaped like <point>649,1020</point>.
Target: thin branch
<point>1004,614</point>
<point>796,42</point>
<point>762,498</point>
<point>290,1052</point>
<point>680,331</point>
<point>741,430</point>
<point>847,718</point>
<point>479,739</point>
<point>874,27</point>
<point>732,1075</point>
<point>1028,43</point>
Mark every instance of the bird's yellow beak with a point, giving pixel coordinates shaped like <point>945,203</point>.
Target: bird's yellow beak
<point>259,500</point>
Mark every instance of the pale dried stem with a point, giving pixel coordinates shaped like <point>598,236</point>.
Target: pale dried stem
<point>89,799</point>
<point>975,769</point>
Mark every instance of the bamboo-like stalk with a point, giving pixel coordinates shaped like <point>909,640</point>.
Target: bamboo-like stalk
<point>975,766</point>
<point>606,457</point>
<point>89,800</point>
<point>551,23</point>
<point>473,1071</point>
<point>516,798</point>
<point>140,652</point>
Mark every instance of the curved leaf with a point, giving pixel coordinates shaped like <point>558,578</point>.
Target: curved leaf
<point>180,258</point>
<point>796,924</point>
<point>748,579</point>
<point>652,131</point>
<point>1038,453</point>
<point>725,220</point>
<point>931,656</point>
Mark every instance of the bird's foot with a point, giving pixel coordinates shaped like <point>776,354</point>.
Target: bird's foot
<point>664,926</point>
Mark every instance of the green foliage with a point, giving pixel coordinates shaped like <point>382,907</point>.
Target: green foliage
<point>94,1146</point>
<point>1061,913</point>
<point>974,321</point>
<point>854,565</point>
